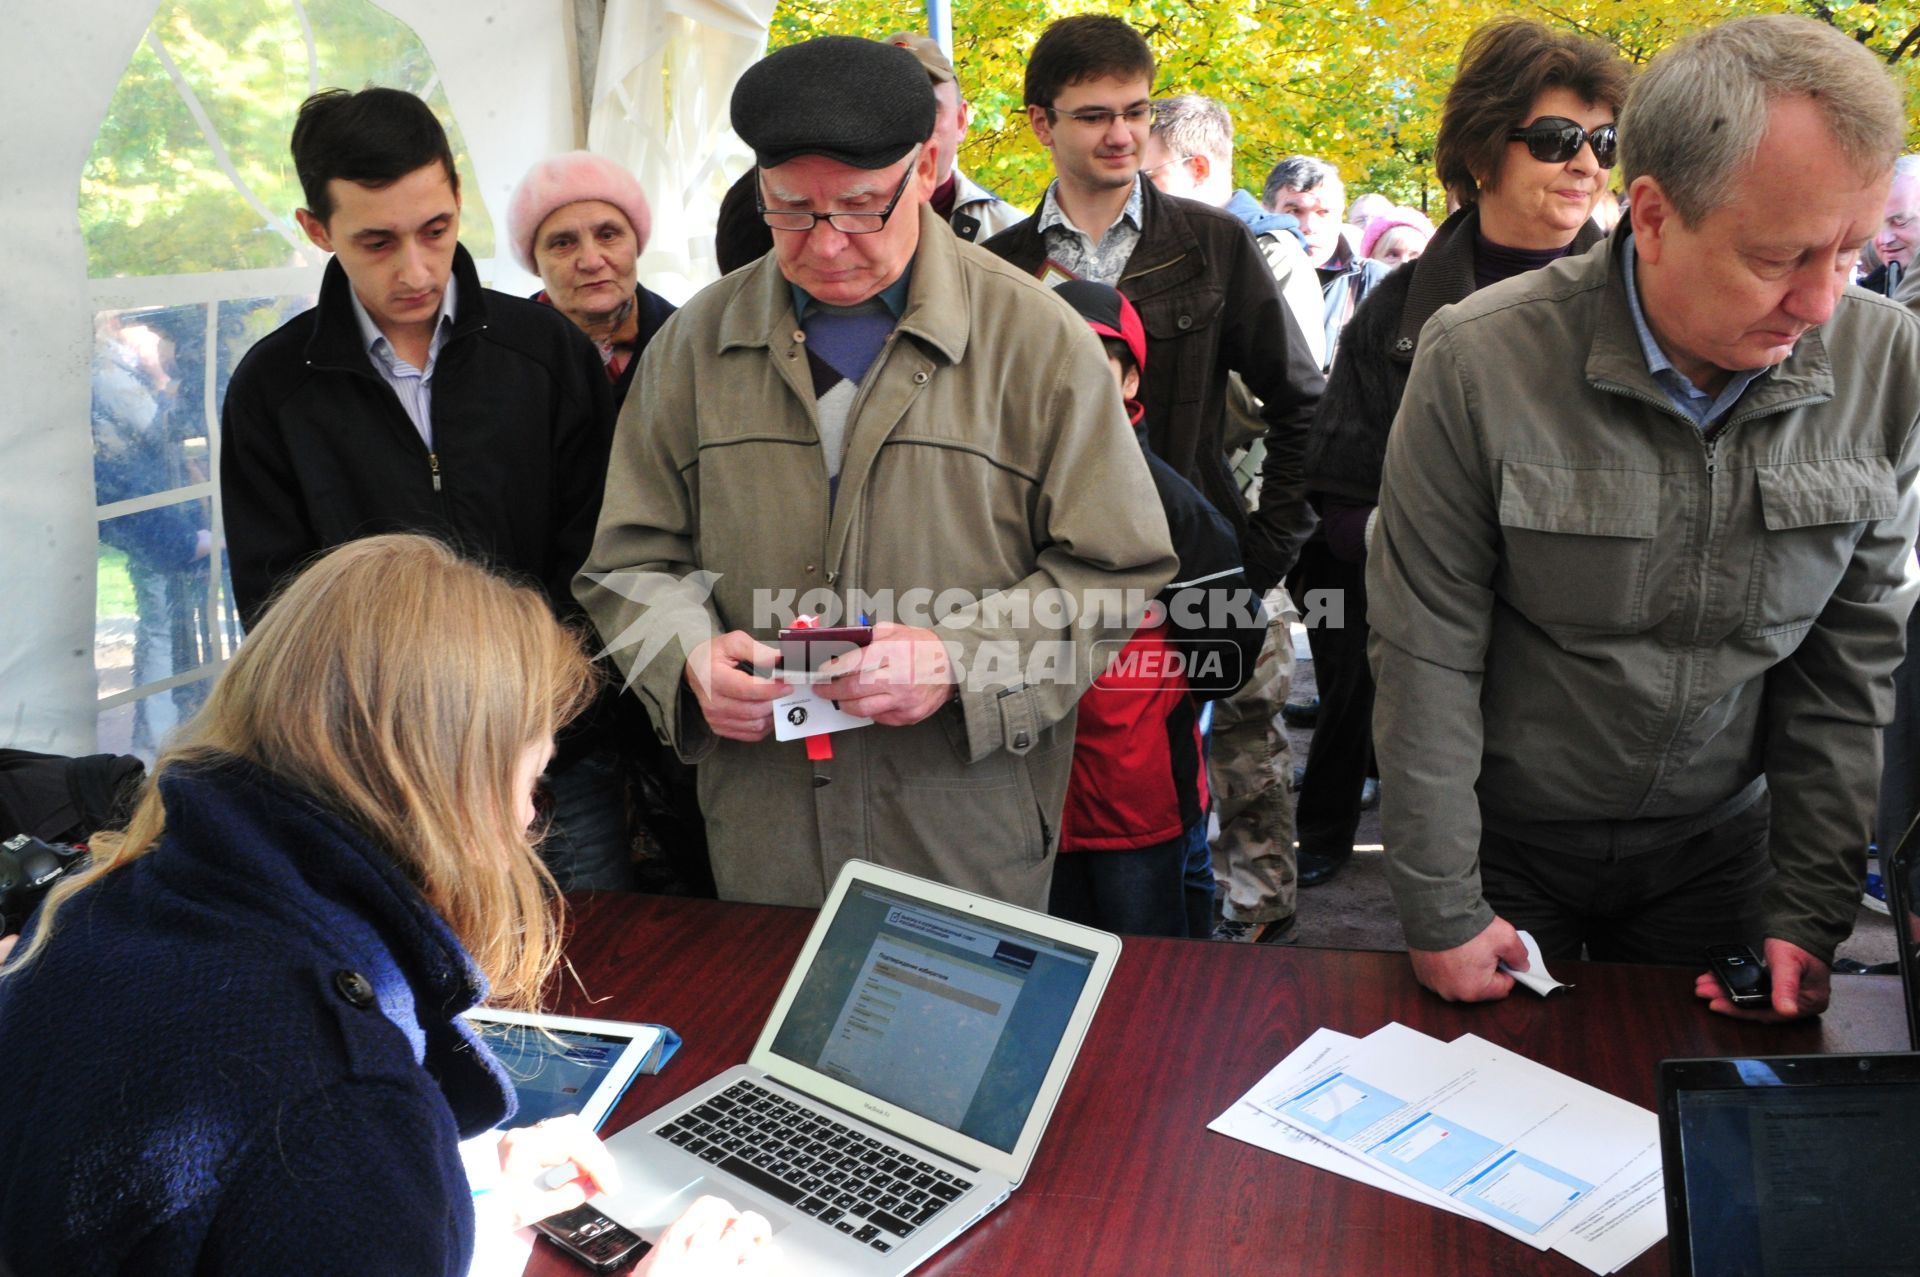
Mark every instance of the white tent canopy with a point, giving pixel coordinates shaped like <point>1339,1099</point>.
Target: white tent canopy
<point>95,650</point>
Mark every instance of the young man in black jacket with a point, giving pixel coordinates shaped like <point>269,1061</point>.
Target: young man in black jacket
<point>412,399</point>
<point>1193,272</point>
<point>1208,301</point>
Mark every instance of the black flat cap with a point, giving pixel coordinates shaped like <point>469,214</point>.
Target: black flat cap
<point>856,101</point>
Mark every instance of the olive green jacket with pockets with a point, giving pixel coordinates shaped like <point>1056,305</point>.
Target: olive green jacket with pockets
<point>987,452</point>
<point>1597,629</point>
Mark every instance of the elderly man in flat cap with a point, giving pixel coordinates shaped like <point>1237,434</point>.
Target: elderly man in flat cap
<point>874,421</point>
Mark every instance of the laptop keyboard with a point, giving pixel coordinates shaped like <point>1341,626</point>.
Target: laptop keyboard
<point>873,1192</point>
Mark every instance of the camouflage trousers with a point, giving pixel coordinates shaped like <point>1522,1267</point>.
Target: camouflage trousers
<point>1250,762</point>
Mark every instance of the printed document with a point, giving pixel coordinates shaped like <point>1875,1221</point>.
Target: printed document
<point>1476,1129</point>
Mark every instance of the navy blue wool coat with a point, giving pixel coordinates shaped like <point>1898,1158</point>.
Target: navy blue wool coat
<point>239,1054</point>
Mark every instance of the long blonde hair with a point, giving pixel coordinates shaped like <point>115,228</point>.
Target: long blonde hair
<point>399,684</point>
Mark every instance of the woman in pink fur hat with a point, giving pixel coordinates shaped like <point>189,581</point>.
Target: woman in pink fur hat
<point>579,221</point>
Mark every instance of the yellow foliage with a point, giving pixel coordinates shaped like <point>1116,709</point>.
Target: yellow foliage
<point>1359,84</point>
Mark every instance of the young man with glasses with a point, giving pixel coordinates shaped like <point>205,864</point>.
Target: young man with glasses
<point>873,416</point>
<point>1205,296</point>
<point>1193,272</point>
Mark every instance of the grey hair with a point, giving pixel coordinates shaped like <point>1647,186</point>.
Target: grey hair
<point>1697,115</point>
<point>1907,166</point>
<point>1297,173</point>
<point>1192,124</point>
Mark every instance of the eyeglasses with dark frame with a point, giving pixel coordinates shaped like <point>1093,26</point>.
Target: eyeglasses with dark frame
<point>845,223</point>
<point>1096,117</point>
<point>1554,139</point>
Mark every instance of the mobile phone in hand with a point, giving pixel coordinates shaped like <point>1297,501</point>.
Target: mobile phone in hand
<point>1741,974</point>
<point>804,651</point>
<point>592,1238</point>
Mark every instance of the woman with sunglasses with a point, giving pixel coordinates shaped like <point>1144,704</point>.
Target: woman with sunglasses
<point>1525,146</point>
<point>232,1044</point>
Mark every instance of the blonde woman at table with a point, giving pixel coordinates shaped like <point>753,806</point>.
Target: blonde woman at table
<point>232,1044</point>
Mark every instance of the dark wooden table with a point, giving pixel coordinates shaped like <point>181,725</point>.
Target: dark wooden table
<point>1128,1180</point>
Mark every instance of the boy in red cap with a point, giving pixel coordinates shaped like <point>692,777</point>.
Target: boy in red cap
<point>1139,780</point>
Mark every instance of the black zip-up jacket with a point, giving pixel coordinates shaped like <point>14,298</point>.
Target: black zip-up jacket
<point>316,449</point>
<point>1209,304</point>
<point>1348,441</point>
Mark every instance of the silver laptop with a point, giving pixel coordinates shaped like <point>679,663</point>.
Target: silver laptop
<point>899,1089</point>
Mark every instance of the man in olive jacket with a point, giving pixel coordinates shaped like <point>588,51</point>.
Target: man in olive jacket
<point>874,417</point>
<point>1643,559</point>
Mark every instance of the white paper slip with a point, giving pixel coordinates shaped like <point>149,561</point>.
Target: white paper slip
<point>1535,977</point>
<point>805,712</point>
<point>496,1251</point>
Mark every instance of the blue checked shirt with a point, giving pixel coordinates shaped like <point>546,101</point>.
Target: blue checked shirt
<point>413,386</point>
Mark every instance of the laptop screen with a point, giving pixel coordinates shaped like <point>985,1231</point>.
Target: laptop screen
<point>944,1014</point>
<point>1786,1174</point>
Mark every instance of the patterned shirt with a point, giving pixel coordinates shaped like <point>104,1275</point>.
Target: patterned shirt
<point>1074,251</point>
<point>413,386</point>
<point>842,343</point>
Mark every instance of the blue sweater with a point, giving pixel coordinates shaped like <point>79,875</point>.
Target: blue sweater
<point>239,1055</point>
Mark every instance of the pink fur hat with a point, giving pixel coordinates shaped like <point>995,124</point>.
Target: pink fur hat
<point>566,179</point>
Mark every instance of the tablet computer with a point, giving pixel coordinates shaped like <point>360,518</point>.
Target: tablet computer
<point>565,1064</point>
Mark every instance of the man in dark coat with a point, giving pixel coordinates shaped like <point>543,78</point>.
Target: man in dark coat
<point>1202,288</point>
<point>412,399</point>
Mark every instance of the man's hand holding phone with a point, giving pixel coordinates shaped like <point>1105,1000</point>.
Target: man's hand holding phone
<point>899,678</point>
<point>1801,984</point>
<point>737,703</point>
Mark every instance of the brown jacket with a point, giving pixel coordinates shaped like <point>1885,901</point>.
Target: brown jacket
<point>987,453</point>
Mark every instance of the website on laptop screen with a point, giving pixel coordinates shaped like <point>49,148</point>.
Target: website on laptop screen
<point>1799,1179</point>
<point>941,1013</point>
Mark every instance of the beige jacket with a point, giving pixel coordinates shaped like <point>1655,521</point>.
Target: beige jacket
<point>987,452</point>
<point>1596,629</point>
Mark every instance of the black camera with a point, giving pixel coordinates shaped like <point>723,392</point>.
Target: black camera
<point>28,868</point>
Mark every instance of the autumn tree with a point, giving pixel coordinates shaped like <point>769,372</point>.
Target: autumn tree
<point>1358,82</point>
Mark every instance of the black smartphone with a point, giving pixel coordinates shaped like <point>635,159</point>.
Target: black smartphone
<point>592,1238</point>
<point>1742,974</point>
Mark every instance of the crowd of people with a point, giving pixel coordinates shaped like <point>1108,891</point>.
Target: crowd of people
<point>1604,540</point>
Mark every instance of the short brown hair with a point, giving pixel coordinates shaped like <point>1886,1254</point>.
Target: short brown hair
<point>1504,66</point>
<point>372,138</point>
<point>1085,47</point>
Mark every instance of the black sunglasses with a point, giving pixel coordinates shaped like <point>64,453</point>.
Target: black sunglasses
<point>1554,139</point>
